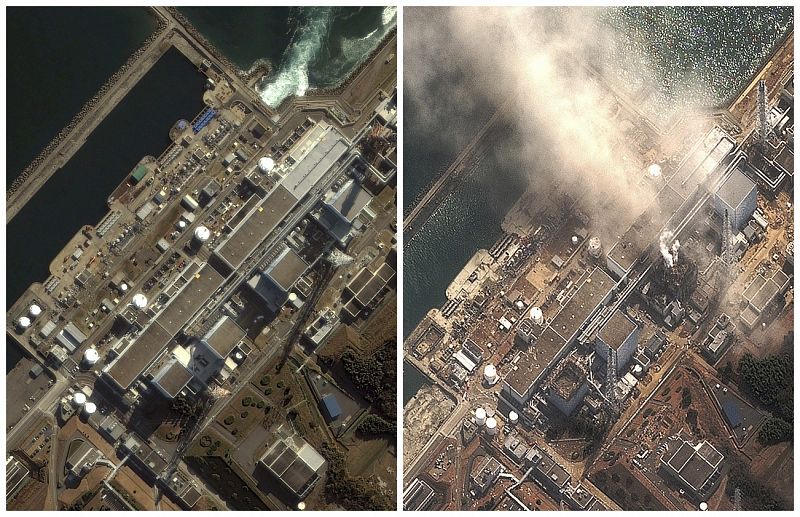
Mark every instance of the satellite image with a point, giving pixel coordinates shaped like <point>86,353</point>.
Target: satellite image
<point>598,258</point>
<point>201,258</point>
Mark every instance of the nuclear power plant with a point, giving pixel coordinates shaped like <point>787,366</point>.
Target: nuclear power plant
<point>606,354</point>
<point>223,270</point>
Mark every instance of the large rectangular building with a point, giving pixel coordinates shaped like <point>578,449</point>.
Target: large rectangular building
<point>696,467</point>
<point>620,335</point>
<point>737,195</point>
<point>143,350</point>
<point>520,383</point>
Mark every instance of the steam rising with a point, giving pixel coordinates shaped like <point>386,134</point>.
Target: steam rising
<point>570,133</point>
<point>670,254</point>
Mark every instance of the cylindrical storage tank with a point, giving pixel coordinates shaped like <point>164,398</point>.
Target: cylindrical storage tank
<point>79,399</point>
<point>34,310</point>
<point>181,224</point>
<point>480,416</point>
<point>637,370</point>
<point>654,170</point>
<point>24,322</point>
<point>89,408</point>
<point>123,287</point>
<point>201,234</point>
<point>491,426</point>
<point>490,374</point>
<point>574,240</point>
<point>292,297</point>
<point>266,164</point>
<point>703,506</point>
<point>139,301</point>
<point>238,356</point>
<point>536,315</point>
<point>513,417</point>
<point>91,356</point>
<point>595,247</point>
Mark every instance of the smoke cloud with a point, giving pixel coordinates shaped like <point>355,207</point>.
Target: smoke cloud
<point>570,133</point>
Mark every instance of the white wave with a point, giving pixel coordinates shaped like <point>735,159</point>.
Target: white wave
<point>292,75</point>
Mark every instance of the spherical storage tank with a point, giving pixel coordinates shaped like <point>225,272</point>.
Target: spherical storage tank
<point>266,164</point>
<point>24,322</point>
<point>537,317</point>
<point>201,234</point>
<point>90,408</point>
<point>79,399</point>
<point>480,416</point>
<point>490,373</point>
<point>513,417</point>
<point>139,301</point>
<point>491,426</point>
<point>34,310</point>
<point>91,356</point>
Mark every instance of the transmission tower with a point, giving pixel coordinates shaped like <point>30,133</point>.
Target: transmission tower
<point>737,500</point>
<point>764,129</point>
<point>728,258</point>
<point>611,380</point>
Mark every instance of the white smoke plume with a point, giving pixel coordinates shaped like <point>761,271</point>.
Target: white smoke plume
<point>569,131</point>
<point>669,252</point>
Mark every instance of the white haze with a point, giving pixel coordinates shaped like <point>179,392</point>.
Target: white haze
<point>567,138</point>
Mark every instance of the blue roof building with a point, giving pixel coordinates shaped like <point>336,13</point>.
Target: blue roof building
<point>331,407</point>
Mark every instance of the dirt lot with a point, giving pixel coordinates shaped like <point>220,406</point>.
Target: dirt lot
<point>31,497</point>
<point>627,491</point>
<point>429,409</point>
<point>375,460</point>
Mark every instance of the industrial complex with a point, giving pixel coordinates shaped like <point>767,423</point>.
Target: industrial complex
<point>567,370</point>
<point>184,352</point>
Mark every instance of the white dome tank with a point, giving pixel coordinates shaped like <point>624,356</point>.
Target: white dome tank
<point>574,240</point>
<point>79,399</point>
<point>703,506</point>
<point>654,170</point>
<point>91,356</point>
<point>490,374</point>
<point>90,408</point>
<point>139,301</point>
<point>513,417</point>
<point>24,322</point>
<point>491,426</point>
<point>181,224</point>
<point>266,164</point>
<point>123,287</point>
<point>292,297</point>
<point>595,247</point>
<point>637,369</point>
<point>34,310</point>
<point>238,356</point>
<point>202,234</point>
<point>480,416</point>
<point>536,315</point>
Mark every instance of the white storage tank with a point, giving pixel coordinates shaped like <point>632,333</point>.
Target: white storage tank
<point>490,374</point>
<point>79,399</point>
<point>140,301</point>
<point>654,170</point>
<point>513,417</point>
<point>480,416</point>
<point>24,322</point>
<point>91,356</point>
<point>90,408</point>
<point>34,310</point>
<point>536,315</point>
<point>266,164</point>
<point>491,426</point>
<point>201,234</point>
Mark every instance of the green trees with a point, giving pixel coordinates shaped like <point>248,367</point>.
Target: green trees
<point>376,377</point>
<point>352,493</point>
<point>775,430</point>
<point>770,381</point>
<point>373,425</point>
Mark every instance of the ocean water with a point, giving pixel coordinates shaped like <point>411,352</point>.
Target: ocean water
<point>705,55</point>
<point>52,72</point>
<point>308,47</point>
